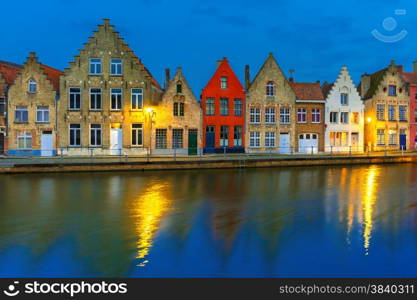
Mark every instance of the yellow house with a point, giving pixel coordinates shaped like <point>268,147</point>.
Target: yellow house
<point>177,119</point>
<point>386,101</point>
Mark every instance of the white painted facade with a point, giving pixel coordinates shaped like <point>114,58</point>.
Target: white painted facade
<point>344,131</point>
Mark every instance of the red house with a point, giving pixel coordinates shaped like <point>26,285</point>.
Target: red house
<point>223,106</point>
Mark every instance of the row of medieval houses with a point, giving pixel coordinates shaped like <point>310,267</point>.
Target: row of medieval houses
<point>108,103</point>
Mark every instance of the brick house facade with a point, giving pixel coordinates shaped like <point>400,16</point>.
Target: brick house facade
<point>107,99</point>
<point>32,110</point>
<point>270,106</point>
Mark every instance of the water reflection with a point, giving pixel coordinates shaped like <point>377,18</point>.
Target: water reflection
<point>318,221</point>
<point>148,211</point>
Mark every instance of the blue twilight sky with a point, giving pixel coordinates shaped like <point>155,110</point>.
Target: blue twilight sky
<point>313,37</point>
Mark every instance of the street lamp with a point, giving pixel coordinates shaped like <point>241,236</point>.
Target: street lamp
<point>369,119</point>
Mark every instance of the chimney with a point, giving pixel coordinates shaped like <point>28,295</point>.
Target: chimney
<point>218,62</point>
<point>167,78</point>
<point>415,66</point>
<point>247,77</point>
<point>32,56</point>
<point>291,79</point>
<point>365,84</point>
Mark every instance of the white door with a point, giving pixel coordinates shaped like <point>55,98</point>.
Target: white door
<point>308,143</point>
<point>284,143</point>
<point>47,143</point>
<point>115,141</point>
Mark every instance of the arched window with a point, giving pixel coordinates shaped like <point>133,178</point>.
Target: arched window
<point>270,89</point>
<point>179,87</point>
<point>32,86</point>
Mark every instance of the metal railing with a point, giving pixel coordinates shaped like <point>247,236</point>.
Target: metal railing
<point>101,155</point>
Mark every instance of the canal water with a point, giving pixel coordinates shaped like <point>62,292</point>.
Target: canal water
<point>293,222</point>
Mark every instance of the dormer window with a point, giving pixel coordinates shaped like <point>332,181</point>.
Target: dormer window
<point>270,89</point>
<point>95,66</point>
<point>32,86</point>
<point>179,88</point>
<point>115,66</point>
<point>223,82</point>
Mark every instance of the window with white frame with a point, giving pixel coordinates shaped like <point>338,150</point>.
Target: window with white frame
<point>270,115</point>
<point>270,139</point>
<point>137,99</point>
<point>333,117</point>
<point>210,106</point>
<point>344,99</point>
<point>2,106</point>
<point>116,66</point>
<point>344,117</point>
<point>21,114</point>
<point>74,98</point>
<point>255,139</point>
<point>75,135</point>
<point>380,112</point>
<point>315,115</point>
<point>116,99</point>
<point>177,138</point>
<point>95,66</point>
<point>255,115</point>
<point>95,135</point>
<point>270,89</point>
<point>24,140</point>
<point>223,82</point>
<point>380,137</point>
<point>95,99</point>
<point>284,116</point>
<point>402,113</point>
<point>32,86</point>
<point>137,134</point>
<point>224,136</point>
<point>392,137</point>
<point>391,112</point>
<point>237,136</point>
<point>161,138</point>
<point>302,115</point>
<point>42,114</point>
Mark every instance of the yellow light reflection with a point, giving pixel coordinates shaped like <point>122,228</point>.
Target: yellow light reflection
<point>148,211</point>
<point>368,202</point>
